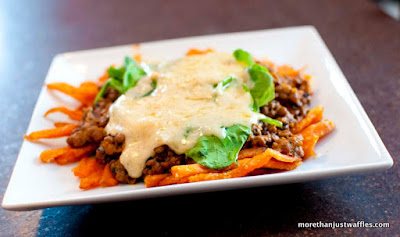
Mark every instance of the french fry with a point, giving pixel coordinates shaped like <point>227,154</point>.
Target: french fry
<point>85,167</point>
<point>279,165</point>
<point>72,114</point>
<point>313,116</point>
<point>286,70</point>
<point>242,170</point>
<point>60,124</point>
<point>85,93</point>
<point>198,51</point>
<point>107,178</point>
<point>75,154</point>
<point>319,129</point>
<point>103,78</point>
<point>154,180</point>
<point>93,180</point>
<point>251,152</point>
<point>281,157</point>
<point>308,145</point>
<point>50,155</point>
<point>52,133</point>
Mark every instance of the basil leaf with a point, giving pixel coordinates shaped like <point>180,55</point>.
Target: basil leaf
<point>243,57</point>
<point>216,153</point>
<point>154,86</point>
<point>133,73</point>
<point>272,121</point>
<point>263,90</point>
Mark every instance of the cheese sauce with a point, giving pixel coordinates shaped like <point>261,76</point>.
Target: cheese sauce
<point>185,106</point>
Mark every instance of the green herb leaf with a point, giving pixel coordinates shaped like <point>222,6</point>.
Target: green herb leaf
<point>102,90</point>
<point>154,86</point>
<point>133,73</point>
<point>216,153</point>
<point>272,121</point>
<point>116,84</point>
<point>243,57</point>
<point>116,73</point>
<point>123,78</point>
<point>263,90</point>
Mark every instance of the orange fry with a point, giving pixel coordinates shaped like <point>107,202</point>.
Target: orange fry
<point>51,133</point>
<point>93,180</point>
<point>50,155</point>
<point>254,163</point>
<point>107,178</point>
<point>85,93</point>
<point>198,51</point>
<point>180,171</point>
<point>286,70</point>
<point>103,78</point>
<point>75,154</point>
<point>154,180</point>
<point>313,116</point>
<point>72,114</point>
<point>279,165</point>
<point>281,157</point>
<point>61,124</point>
<point>319,129</point>
<point>251,152</point>
<point>86,166</point>
<point>308,145</point>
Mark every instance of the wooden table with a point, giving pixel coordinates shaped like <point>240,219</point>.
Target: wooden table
<point>364,41</point>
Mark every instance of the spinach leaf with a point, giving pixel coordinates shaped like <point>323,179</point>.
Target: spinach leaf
<point>133,73</point>
<point>263,90</point>
<point>123,78</point>
<point>272,121</point>
<point>243,57</point>
<point>216,153</point>
<point>116,73</point>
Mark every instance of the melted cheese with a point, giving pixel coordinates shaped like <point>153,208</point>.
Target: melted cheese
<point>184,107</point>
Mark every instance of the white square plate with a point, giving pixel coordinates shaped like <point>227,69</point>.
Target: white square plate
<point>353,147</point>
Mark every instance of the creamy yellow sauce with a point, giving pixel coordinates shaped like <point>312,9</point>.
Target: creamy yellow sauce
<point>184,107</point>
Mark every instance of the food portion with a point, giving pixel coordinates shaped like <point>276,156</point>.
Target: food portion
<point>208,115</point>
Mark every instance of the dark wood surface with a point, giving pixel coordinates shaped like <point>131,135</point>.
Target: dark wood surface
<point>364,41</point>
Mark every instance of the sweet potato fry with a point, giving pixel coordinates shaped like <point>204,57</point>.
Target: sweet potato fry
<point>180,171</point>
<point>93,180</point>
<point>51,133</point>
<point>170,179</point>
<point>313,116</point>
<point>154,180</point>
<point>103,77</point>
<point>308,145</point>
<point>50,155</point>
<point>281,157</point>
<point>72,114</point>
<point>319,129</point>
<point>286,70</point>
<point>279,165</point>
<point>60,124</point>
<point>85,93</point>
<point>251,152</point>
<point>198,51</point>
<point>75,154</point>
<point>242,170</point>
<point>107,178</point>
<point>86,166</point>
